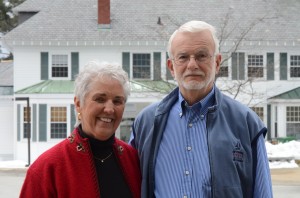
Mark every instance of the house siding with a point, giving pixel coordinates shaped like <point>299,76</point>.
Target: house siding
<point>137,31</point>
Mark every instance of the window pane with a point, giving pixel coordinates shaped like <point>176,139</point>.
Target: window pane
<point>255,66</point>
<point>293,121</point>
<point>26,119</point>
<point>295,71</point>
<point>59,72</point>
<point>58,114</point>
<point>256,72</point>
<point>125,132</point>
<point>141,66</point>
<point>59,66</point>
<point>27,127</point>
<point>125,129</point>
<point>58,122</point>
<point>58,130</point>
<point>295,60</point>
<point>295,66</point>
<point>223,72</point>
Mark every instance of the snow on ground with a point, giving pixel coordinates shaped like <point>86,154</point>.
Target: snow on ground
<point>289,150</point>
<point>285,153</point>
<point>13,164</point>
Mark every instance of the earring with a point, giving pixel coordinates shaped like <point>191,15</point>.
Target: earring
<point>78,116</point>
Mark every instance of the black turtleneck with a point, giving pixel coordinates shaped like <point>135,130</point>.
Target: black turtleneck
<point>111,181</point>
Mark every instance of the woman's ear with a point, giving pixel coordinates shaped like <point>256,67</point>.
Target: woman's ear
<point>77,104</point>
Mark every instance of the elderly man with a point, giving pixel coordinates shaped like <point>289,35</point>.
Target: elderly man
<point>197,142</point>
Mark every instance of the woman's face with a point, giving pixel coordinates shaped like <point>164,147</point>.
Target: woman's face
<point>103,108</point>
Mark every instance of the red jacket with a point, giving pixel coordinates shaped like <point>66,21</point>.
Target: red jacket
<point>68,170</point>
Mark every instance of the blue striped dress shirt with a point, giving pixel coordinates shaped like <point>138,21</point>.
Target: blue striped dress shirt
<point>182,167</point>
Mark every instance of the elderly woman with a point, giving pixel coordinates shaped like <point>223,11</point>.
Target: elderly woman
<point>91,162</point>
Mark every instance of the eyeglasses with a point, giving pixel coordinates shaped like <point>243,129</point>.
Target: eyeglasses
<point>183,59</point>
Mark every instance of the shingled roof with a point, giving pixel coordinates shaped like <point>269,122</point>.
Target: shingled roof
<point>6,78</point>
<point>152,21</point>
<point>6,73</point>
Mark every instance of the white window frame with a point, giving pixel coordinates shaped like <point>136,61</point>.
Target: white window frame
<point>68,118</point>
<point>68,65</point>
<point>292,122</point>
<point>22,106</point>
<point>151,66</point>
<point>289,66</point>
<point>255,66</point>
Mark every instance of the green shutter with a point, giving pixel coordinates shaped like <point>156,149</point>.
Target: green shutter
<point>44,65</point>
<point>18,122</point>
<point>238,66</point>
<point>126,62</point>
<point>33,123</point>
<point>270,66</point>
<point>234,68</point>
<point>169,75</point>
<point>42,122</point>
<point>269,122</point>
<point>241,58</point>
<point>73,118</point>
<point>157,65</point>
<point>283,66</point>
<point>74,64</point>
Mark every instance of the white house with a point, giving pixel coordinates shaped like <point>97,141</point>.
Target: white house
<point>259,40</point>
<point>6,110</point>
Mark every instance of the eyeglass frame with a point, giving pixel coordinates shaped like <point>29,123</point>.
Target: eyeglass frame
<point>205,59</point>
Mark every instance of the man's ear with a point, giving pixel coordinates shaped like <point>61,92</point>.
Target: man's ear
<point>171,67</point>
<point>218,60</point>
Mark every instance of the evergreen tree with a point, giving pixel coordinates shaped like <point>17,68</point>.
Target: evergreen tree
<point>7,19</point>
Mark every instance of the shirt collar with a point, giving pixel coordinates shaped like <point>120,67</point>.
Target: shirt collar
<point>201,106</point>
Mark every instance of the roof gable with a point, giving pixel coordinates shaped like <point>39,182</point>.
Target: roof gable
<point>290,95</point>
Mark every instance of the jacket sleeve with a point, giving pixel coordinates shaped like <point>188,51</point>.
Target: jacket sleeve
<point>34,186</point>
<point>263,183</point>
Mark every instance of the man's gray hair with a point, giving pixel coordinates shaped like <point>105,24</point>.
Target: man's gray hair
<point>195,26</point>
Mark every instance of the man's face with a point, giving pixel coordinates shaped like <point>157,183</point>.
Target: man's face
<point>194,75</point>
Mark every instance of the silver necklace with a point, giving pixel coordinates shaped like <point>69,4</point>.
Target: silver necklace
<point>102,160</point>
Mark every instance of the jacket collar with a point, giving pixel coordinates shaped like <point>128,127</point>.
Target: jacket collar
<point>171,98</point>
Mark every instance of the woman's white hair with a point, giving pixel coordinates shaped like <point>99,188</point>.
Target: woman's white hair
<point>195,26</point>
<point>94,70</point>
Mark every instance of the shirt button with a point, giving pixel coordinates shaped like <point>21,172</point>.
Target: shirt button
<point>180,114</point>
<point>187,172</point>
<point>189,148</point>
<point>190,125</point>
<point>184,196</point>
<point>202,116</point>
